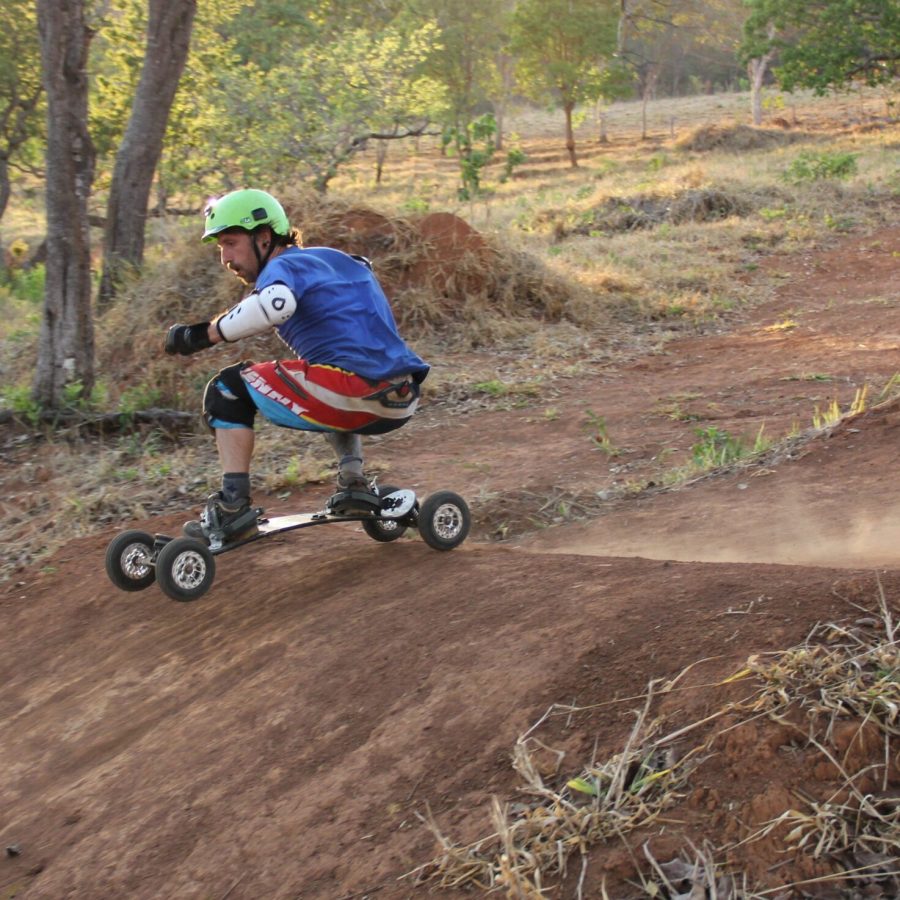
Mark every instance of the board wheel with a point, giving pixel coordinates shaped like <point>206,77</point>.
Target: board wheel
<point>444,520</point>
<point>384,530</point>
<point>185,569</point>
<point>129,560</point>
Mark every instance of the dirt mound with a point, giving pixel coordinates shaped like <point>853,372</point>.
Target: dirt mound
<point>440,273</point>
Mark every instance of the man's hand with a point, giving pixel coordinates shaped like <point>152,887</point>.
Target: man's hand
<point>187,339</point>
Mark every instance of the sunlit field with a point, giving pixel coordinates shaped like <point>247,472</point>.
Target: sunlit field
<point>547,208</point>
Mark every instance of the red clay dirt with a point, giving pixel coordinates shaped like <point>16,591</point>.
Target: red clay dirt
<point>283,736</point>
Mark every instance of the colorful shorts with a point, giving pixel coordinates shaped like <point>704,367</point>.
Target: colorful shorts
<point>296,394</point>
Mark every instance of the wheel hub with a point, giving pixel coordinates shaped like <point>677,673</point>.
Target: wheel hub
<point>135,562</point>
<point>189,570</point>
<point>447,521</point>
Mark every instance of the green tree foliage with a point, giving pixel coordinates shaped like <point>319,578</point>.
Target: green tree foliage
<point>266,29</point>
<point>464,58</point>
<point>262,31</point>
<point>468,60</point>
<point>117,54</point>
<point>205,130</point>
<point>306,116</point>
<point>21,120</point>
<point>826,43</point>
<point>296,105</point>
<point>563,47</point>
<point>690,43</point>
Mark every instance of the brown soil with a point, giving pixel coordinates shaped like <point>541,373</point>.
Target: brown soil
<point>282,736</point>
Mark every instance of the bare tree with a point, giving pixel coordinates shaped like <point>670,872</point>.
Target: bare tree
<point>66,342</point>
<point>168,41</point>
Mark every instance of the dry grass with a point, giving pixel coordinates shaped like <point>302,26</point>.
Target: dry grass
<point>843,682</point>
<point>711,163</point>
<point>535,839</point>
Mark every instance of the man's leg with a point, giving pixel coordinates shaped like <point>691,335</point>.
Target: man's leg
<point>354,495</point>
<point>347,448</point>
<point>235,446</point>
<point>229,411</point>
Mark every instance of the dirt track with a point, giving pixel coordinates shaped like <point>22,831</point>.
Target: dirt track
<point>279,737</point>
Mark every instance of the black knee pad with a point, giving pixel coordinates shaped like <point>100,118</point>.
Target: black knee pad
<point>227,398</point>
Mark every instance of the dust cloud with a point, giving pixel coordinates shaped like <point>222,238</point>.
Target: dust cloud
<point>793,534</point>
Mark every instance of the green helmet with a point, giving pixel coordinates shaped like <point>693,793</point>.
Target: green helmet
<point>246,209</point>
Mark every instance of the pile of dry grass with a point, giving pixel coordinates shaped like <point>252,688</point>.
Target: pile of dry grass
<point>621,214</point>
<point>736,138</point>
<point>837,695</point>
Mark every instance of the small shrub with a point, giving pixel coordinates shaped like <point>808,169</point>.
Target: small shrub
<point>494,387</point>
<point>27,284</point>
<point>838,223</point>
<point>20,401</point>
<point>415,205</point>
<point>514,157</point>
<point>139,398</point>
<point>600,437</point>
<point>810,166</point>
<point>75,397</point>
<point>715,448</point>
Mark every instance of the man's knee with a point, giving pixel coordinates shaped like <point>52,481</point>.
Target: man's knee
<point>226,400</point>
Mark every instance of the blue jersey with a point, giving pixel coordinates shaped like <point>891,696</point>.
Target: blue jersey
<point>343,318</point>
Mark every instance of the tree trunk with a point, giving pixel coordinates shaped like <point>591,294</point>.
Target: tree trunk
<point>168,42</point>
<point>648,92</point>
<point>5,190</point>
<point>66,342</point>
<point>756,71</point>
<point>381,152</point>
<point>600,113</point>
<point>506,69</point>
<point>568,108</point>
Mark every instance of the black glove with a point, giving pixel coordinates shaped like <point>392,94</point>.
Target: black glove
<point>187,339</point>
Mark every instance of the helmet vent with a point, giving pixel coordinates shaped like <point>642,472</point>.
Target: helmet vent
<point>259,213</point>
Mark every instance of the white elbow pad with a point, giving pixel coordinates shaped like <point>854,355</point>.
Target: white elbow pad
<point>268,308</point>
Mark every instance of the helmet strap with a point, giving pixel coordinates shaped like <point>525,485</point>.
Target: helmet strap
<point>260,259</point>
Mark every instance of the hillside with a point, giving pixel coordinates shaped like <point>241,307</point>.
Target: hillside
<point>286,735</point>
